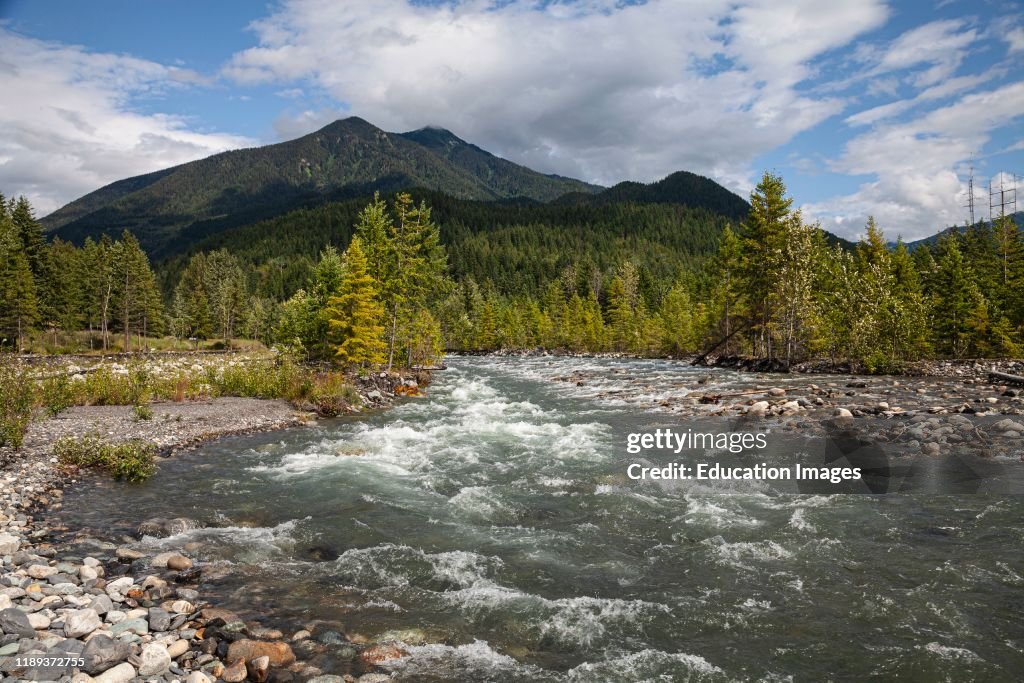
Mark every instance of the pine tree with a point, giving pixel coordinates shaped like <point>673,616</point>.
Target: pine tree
<point>677,322</point>
<point>730,263</point>
<point>764,240</point>
<point>355,314</point>
<point>18,307</point>
<point>956,301</point>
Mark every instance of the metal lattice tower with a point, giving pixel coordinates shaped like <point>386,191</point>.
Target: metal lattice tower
<point>970,194</point>
<point>1002,197</point>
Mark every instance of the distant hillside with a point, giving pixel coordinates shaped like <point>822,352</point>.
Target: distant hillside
<point>348,158</point>
<point>682,187</point>
<point>1017,217</point>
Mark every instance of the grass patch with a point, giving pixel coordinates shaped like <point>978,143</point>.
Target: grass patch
<point>52,389</point>
<point>128,460</point>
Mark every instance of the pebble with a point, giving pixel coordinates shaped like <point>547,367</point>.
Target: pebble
<point>154,660</point>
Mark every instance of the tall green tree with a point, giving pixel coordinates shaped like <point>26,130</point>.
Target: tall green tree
<point>355,314</point>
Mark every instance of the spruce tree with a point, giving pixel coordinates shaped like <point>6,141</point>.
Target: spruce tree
<point>355,314</point>
<point>764,240</point>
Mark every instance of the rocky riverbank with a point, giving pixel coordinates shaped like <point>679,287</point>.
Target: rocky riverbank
<point>924,415</point>
<point>77,608</point>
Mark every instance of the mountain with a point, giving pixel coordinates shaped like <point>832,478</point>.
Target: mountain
<point>507,179</point>
<point>682,187</point>
<point>346,159</point>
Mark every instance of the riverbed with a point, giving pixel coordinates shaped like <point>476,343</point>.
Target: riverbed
<point>492,530</point>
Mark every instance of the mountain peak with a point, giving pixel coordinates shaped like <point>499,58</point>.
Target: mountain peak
<point>352,123</point>
<point>435,137</point>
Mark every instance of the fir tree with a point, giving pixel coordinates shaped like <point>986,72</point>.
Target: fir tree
<point>355,314</point>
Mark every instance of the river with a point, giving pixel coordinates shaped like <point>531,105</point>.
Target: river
<point>491,526</point>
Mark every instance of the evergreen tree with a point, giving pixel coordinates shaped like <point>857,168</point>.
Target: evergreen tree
<point>764,242</point>
<point>18,307</point>
<point>355,314</point>
<point>955,302</point>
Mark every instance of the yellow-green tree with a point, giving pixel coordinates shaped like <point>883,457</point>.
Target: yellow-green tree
<point>355,314</point>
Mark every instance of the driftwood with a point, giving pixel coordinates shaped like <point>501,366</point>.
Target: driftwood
<point>1004,377</point>
<point>715,398</point>
<point>699,360</point>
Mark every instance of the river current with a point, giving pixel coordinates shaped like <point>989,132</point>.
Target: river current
<point>491,527</point>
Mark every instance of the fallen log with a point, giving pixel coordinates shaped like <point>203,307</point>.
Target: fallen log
<point>1004,377</point>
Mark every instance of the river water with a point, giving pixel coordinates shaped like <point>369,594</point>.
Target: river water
<point>492,528</point>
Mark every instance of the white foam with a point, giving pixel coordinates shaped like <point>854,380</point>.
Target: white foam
<point>947,652</point>
<point>649,665</point>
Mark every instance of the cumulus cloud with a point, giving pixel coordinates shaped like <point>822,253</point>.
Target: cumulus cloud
<point>67,124</point>
<point>598,90</point>
<point>917,191</point>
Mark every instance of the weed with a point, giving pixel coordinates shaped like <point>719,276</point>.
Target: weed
<point>128,460</point>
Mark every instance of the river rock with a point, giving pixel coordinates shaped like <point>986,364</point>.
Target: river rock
<point>177,648</point>
<point>931,448</point>
<point>373,678</point>
<point>1008,426</point>
<point>103,652</point>
<point>40,571</point>
<point>5,602</point>
<point>14,622</point>
<point>86,573</point>
<point>160,527</point>
<point>154,660</point>
<point>198,677</point>
<point>758,409</point>
<point>380,653</point>
<point>327,678</point>
<point>129,554</point>
<point>235,673</point>
<point>259,669</point>
<point>9,544</point>
<point>280,654</point>
<point>122,673</point>
<point>842,412</point>
<point>81,623</point>
<point>178,562</point>
<point>137,626</point>
<point>776,391</point>
<point>182,607</point>
<point>117,588</point>
<point>102,604</point>
<point>159,619</point>
<point>40,622</point>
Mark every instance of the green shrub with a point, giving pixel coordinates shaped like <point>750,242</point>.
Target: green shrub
<point>128,460</point>
<point>143,411</point>
<point>57,394</point>
<point>878,363</point>
<point>16,401</point>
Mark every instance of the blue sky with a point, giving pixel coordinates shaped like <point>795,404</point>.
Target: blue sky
<point>864,106</point>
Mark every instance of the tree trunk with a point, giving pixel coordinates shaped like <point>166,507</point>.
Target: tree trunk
<point>394,331</point>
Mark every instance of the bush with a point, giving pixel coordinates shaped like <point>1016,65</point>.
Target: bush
<point>143,411</point>
<point>128,460</point>
<point>58,395</point>
<point>878,363</point>
<point>16,401</point>
<point>331,393</point>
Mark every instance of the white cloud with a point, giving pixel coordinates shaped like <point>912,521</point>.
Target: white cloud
<point>1015,38</point>
<point>917,192</point>
<point>597,90</point>
<point>67,126</point>
<point>936,92</point>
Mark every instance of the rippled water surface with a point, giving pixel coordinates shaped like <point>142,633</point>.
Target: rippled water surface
<point>491,527</point>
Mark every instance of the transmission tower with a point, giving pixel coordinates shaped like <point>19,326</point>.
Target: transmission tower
<point>1002,197</point>
<point>970,194</point>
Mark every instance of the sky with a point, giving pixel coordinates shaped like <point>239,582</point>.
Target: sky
<point>864,107</point>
